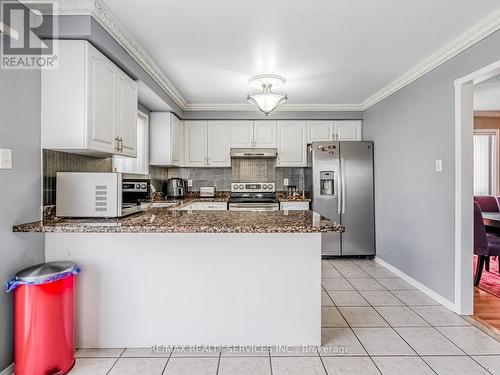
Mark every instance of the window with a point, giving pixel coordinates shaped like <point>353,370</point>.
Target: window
<point>485,162</point>
<point>140,164</point>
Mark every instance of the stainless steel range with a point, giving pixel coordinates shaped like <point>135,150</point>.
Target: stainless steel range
<point>253,196</point>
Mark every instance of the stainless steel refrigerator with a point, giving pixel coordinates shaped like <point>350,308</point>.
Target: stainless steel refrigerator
<point>339,179</point>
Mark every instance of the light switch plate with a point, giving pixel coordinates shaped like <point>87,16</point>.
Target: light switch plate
<point>5,158</point>
<point>439,165</point>
<point>285,181</point>
<point>190,183</point>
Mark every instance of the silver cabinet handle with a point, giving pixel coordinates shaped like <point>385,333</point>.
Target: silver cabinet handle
<point>120,144</point>
<point>342,162</point>
<point>117,148</point>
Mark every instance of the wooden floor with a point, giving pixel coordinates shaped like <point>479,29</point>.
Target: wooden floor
<point>487,309</point>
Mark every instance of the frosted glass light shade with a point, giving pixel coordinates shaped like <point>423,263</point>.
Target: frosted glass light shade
<point>267,102</point>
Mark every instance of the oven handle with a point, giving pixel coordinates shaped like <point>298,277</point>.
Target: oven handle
<point>254,206</point>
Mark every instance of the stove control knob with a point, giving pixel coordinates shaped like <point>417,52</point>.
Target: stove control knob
<point>235,187</point>
<point>264,187</point>
<point>241,186</point>
<point>270,186</point>
<point>137,186</point>
<point>143,186</point>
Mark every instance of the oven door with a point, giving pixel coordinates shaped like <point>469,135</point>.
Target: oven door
<point>254,206</point>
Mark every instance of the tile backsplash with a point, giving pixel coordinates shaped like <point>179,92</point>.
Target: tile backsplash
<point>56,161</point>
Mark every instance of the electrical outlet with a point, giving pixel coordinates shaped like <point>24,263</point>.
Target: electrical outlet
<point>190,183</point>
<point>285,181</point>
<point>5,159</point>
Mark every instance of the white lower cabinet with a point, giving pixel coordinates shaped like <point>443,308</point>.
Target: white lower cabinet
<point>291,144</point>
<point>166,139</point>
<point>294,206</point>
<point>88,105</point>
<point>204,206</point>
<point>207,144</point>
<point>348,130</point>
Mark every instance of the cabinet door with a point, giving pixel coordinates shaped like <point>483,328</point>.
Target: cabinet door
<point>102,103</point>
<point>195,153</point>
<point>241,134</point>
<point>265,134</point>
<point>292,144</point>
<point>319,131</point>
<point>294,206</point>
<point>219,144</point>
<point>348,130</point>
<point>177,142</point>
<point>126,125</point>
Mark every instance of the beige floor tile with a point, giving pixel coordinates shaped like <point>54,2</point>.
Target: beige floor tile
<point>191,366</point>
<point>196,351</point>
<point>98,353</point>
<point>146,352</point>
<point>347,298</point>
<point>350,366</point>
<point>297,366</point>
<point>143,366</point>
<point>401,316</point>
<point>340,342</point>
<point>471,340</point>
<point>379,272</point>
<point>428,341</point>
<point>402,365</point>
<point>325,299</point>
<point>336,284</point>
<point>362,317</point>
<point>294,351</point>
<point>380,298</point>
<point>395,283</point>
<point>414,298</point>
<point>331,317</point>
<point>244,366</point>
<point>454,365</point>
<point>330,273</point>
<point>326,264</point>
<point>382,341</point>
<point>92,366</point>
<point>440,316</point>
<point>489,362</point>
<point>366,284</point>
<point>353,272</point>
<point>245,351</point>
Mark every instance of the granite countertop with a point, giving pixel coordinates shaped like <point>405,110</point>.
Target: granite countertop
<point>285,197</point>
<point>164,220</point>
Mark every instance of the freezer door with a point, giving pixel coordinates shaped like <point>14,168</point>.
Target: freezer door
<point>358,211</point>
<point>326,202</point>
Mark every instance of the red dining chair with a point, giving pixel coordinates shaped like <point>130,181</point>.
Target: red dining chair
<point>485,244</point>
<point>488,203</point>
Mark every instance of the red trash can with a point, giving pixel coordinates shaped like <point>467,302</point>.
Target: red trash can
<point>44,309</point>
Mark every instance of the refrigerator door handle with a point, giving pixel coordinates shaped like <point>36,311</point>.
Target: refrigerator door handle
<point>343,183</point>
<point>339,194</point>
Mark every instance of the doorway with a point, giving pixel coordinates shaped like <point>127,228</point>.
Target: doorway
<point>476,173</point>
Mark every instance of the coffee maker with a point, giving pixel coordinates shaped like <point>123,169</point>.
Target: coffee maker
<point>174,188</point>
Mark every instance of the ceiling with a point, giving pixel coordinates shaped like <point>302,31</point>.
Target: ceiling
<point>487,95</point>
<point>330,51</point>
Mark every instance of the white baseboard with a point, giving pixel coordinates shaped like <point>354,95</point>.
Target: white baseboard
<point>435,296</point>
<point>9,370</point>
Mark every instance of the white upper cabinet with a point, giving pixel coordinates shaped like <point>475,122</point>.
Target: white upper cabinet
<point>207,144</point>
<point>241,134</point>
<point>319,131</point>
<point>292,144</point>
<point>195,135</point>
<point>250,134</point>
<point>89,105</point>
<point>348,130</point>
<point>265,134</point>
<point>166,139</point>
<point>218,144</point>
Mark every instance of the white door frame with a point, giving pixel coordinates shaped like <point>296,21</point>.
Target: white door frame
<point>464,124</point>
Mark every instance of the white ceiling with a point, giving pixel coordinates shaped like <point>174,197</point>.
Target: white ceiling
<point>330,51</point>
<point>487,95</point>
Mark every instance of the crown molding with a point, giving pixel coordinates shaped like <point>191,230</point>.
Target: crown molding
<point>281,108</point>
<point>102,14</point>
<point>476,33</point>
<point>491,114</point>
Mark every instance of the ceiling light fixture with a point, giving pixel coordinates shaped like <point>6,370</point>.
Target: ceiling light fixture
<point>266,101</point>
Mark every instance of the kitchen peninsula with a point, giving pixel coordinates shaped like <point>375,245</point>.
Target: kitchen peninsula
<point>173,277</point>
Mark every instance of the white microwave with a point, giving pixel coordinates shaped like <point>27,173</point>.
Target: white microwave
<point>99,194</point>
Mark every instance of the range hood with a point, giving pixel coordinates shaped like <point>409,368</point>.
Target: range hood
<point>270,153</point>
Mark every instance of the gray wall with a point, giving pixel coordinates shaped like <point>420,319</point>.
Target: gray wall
<point>20,187</point>
<point>414,204</point>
